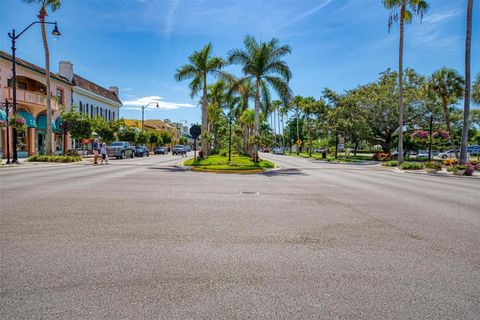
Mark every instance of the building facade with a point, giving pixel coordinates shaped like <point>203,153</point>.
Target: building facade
<point>31,105</point>
<point>69,92</point>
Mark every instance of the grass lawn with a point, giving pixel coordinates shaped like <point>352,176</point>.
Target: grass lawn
<point>238,163</point>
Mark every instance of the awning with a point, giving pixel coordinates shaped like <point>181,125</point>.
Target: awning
<point>42,123</point>
<point>57,123</point>
<point>3,115</point>
<point>29,121</point>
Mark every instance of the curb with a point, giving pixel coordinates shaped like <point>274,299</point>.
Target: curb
<point>438,174</point>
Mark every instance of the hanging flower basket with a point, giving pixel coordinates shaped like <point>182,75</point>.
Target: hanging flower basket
<point>3,123</point>
<point>18,123</point>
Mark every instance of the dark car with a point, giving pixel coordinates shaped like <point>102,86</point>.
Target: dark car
<point>160,150</point>
<point>141,151</point>
<point>179,149</point>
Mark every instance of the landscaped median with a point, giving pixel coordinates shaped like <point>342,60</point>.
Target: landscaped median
<point>449,166</point>
<point>238,164</point>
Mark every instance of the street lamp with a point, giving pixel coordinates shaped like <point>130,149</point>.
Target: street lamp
<point>143,110</point>
<point>14,38</point>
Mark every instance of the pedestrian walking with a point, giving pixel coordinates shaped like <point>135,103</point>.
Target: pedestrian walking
<point>103,152</point>
<point>96,151</point>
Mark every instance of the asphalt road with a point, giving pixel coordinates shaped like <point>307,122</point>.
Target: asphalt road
<point>142,238</point>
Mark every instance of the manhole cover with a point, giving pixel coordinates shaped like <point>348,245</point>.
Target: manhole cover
<point>248,192</point>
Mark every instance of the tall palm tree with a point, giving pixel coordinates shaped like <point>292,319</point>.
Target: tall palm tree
<point>448,85</point>
<point>297,102</point>
<point>262,63</point>
<point>202,64</point>
<point>403,12</point>
<point>476,90</point>
<point>466,107</point>
<point>246,90</point>
<point>52,5</point>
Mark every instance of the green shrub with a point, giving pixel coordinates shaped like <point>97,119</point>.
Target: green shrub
<point>392,163</point>
<point>411,166</point>
<point>63,159</point>
<point>433,165</point>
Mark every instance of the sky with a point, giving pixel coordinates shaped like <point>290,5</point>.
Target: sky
<point>137,45</point>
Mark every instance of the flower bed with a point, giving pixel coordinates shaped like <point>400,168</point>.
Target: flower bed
<point>411,166</point>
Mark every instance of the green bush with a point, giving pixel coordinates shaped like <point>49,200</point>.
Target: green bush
<point>64,159</point>
<point>411,166</point>
<point>391,164</point>
<point>433,165</point>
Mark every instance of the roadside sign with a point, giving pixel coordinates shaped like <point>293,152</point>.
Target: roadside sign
<point>195,131</point>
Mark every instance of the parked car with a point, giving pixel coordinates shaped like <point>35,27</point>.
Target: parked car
<point>120,150</point>
<point>179,149</point>
<point>266,149</point>
<point>160,150</point>
<point>423,154</point>
<point>450,154</point>
<point>320,150</point>
<point>279,151</point>
<point>141,151</point>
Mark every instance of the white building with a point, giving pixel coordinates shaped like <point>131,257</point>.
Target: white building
<point>90,98</point>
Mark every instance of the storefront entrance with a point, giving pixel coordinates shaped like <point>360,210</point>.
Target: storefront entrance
<point>41,141</point>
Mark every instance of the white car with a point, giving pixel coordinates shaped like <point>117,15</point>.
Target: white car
<point>450,154</point>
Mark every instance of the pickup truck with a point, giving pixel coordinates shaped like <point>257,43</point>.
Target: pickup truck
<point>120,150</point>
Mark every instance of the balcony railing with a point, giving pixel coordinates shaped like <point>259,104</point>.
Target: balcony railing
<point>30,97</point>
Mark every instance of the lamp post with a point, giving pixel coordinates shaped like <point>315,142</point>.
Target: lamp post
<point>430,139</point>
<point>143,111</point>
<point>12,35</point>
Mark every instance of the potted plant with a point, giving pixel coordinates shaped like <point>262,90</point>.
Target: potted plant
<point>18,123</point>
<point>432,166</point>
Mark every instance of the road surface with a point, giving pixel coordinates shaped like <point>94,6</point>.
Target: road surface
<point>142,238</point>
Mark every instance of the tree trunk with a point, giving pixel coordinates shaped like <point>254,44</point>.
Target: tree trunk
<point>49,136</point>
<point>447,122</point>
<point>400,84</point>
<point>204,134</point>
<point>256,122</point>
<point>466,107</point>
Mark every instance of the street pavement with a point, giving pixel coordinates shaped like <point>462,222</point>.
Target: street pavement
<point>146,239</point>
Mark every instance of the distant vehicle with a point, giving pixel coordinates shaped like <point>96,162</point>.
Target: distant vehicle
<point>279,151</point>
<point>120,150</point>
<point>320,150</point>
<point>423,154</point>
<point>474,150</point>
<point>266,149</point>
<point>160,150</point>
<point>179,149</point>
<point>141,151</point>
<point>450,154</point>
<point>188,148</point>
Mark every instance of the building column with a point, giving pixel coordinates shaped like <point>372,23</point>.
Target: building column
<point>32,141</point>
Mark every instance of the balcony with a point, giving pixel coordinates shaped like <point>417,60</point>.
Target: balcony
<point>30,98</point>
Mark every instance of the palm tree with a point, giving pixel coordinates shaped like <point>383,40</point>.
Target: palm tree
<point>297,102</point>
<point>476,90</point>
<point>202,64</point>
<point>52,5</point>
<point>262,63</point>
<point>246,91</point>
<point>448,86</point>
<point>403,12</point>
<point>466,107</point>
<point>247,119</point>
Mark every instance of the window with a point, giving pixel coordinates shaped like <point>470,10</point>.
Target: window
<point>101,112</point>
<point>60,96</point>
<point>91,111</point>
<point>109,115</point>
<point>81,107</point>
<point>113,115</point>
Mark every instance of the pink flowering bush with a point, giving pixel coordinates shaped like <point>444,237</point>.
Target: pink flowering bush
<point>419,134</point>
<point>441,135</point>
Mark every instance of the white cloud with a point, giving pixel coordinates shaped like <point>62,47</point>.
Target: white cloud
<point>440,17</point>
<point>305,14</point>
<point>136,104</point>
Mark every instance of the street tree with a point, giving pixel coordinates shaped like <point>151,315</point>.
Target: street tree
<point>44,5</point>
<point>261,62</point>
<point>402,11</point>
<point>448,85</point>
<point>476,90</point>
<point>202,64</point>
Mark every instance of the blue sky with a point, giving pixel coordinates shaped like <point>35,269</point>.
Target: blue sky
<point>137,44</point>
